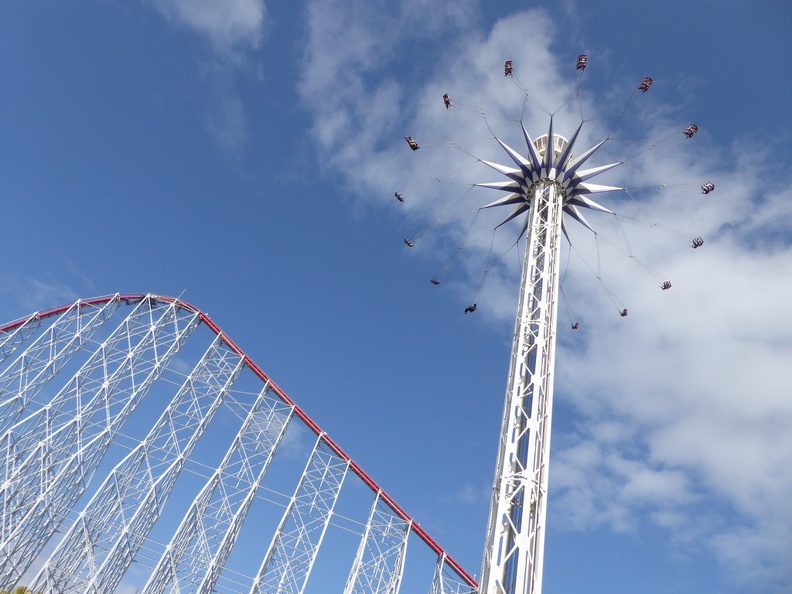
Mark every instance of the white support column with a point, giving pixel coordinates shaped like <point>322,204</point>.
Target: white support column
<point>50,455</point>
<point>11,340</point>
<point>94,554</point>
<point>379,563</point>
<point>294,547</point>
<point>447,581</point>
<point>113,524</point>
<point>27,375</point>
<point>515,538</point>
<point>195,556</point>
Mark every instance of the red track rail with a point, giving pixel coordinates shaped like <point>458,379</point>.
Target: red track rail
<point>432,543</point>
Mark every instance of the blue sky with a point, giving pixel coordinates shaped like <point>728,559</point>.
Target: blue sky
<point>246,156</point>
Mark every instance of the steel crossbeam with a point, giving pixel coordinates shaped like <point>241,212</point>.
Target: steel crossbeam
<point>197,553</point>
<point>12,339</point>
<point>447,581</point>
<point>23,379</point>
<point>515,539</point>
<point>71,382</point>
<point>96,551</point>
<point>294,547</point>
<point>379,562</point>
<point>50,455</point>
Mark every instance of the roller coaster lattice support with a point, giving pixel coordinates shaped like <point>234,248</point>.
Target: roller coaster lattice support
<point>99,492</point>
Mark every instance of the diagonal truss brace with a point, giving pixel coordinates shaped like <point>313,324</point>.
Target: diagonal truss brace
<point>379,563</point>
<point>296,543</point>
<point>23,379</point>
<point>49,456</point>
<point>100,546</point>
<point>447,581</point>
<point>198,551</point>
<point>12,339</point>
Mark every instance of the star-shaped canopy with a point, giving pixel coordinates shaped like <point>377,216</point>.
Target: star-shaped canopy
<point>559,168</point>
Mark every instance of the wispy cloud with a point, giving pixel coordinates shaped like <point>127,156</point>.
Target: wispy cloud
<point>35,293</point>
<point>225,117</point>
<point>468,493</point>
<point>231,26</point>
<point>682,412</point>
<point>233,31</point>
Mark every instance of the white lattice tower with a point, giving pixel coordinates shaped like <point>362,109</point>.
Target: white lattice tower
<point>99,547</point>
<point>546,183</point>
<point>294,547</point>
<point>39,363</point>
<point>448,581</point>
<point>52,452</point>
<point>98,495</point>
<point>380,558</point>
<point>209,529</point>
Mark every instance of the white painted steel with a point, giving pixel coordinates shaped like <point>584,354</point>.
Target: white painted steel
<point>446,581</point>
<point>198,551</point>
<point>515,540</point>
<point>96,552</point>
<point>296,542</point>
<point>379,562</point>
<point>11,340</point>
<point>100,494</point>
<point>545,185</point>
<point>23,379</point>
<point>51,453</point>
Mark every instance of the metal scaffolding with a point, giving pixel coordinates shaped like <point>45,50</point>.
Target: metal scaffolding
<point>139,451</point>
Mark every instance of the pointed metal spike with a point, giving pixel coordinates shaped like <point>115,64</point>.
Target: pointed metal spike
<point>595,189</point>
<point>514,198</point>
<point>524,164</point>
<point>549,156</point>
<point>532,154</point>
<point>585,174</point>
<point>523,229</point>
<point>563,158</point>
<point>515,213</point>
<point>575,214</point>
<point>576,163</point>
<point>507,186</point>
<point>584,202</point>
<point>564,231</point>
<point>509,172</point>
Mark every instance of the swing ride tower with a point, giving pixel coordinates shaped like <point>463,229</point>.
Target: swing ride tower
<point>545,185</point>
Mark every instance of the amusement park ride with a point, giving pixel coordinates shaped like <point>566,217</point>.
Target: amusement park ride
<point>545,184</point>
<point>96,497</point>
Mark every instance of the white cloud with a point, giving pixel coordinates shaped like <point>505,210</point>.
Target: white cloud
<point>229,26</point>
<point>225,118</point>
<point>36,294</point>
<point>233,29</point>
<point>469,494</point>
<point>683,413</point>
<point>698,382</point>
<point>297,442</point>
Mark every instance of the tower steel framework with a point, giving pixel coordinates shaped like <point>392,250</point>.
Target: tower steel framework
<point>546,183</point>
<point>98,499</point>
